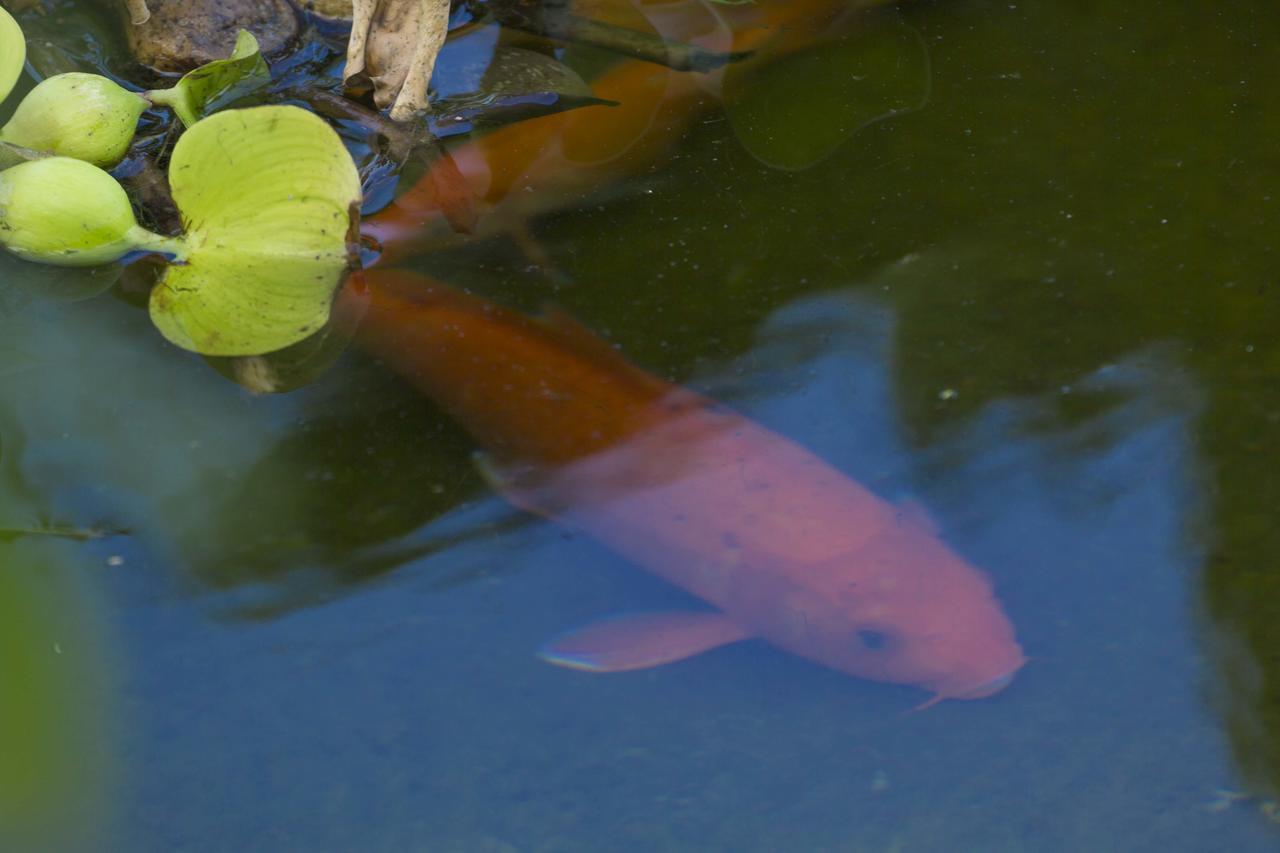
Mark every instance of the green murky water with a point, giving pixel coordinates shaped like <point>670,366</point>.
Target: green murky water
<point>1043,301</point>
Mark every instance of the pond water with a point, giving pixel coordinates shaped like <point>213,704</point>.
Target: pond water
<point>1026,280</point>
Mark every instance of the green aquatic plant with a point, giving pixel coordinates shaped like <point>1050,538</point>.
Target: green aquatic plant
<point>85,116</point>
<point>268,197</point>
<point>91,118</point>
<point>63,211</point>
<point>13,53</point>
<point>204,90</point>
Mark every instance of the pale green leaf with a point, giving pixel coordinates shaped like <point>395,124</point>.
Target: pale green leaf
<point>216,84</point>
<point>267,196</point>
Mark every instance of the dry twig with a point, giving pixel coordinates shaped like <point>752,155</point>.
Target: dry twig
<point>394,45</point>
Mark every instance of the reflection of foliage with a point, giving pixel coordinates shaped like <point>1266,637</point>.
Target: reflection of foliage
<point>335,503</point>
<point>55,711</point>
<point>52,708</point>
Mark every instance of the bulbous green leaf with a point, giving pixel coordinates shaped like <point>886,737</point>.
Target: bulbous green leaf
<point>68,212</point>
<point>84,116</point>
<point>268,197</point>
<point>207,88</point>
<point>13,53</point>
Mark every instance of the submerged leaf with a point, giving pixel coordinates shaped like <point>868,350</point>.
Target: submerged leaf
<point>519,71</point>
<point>467,114</point>
<point>207,88</point>
<point>518,84</point>
<point>13,53</point>
<point>267,197</point>
<point>798,110</point>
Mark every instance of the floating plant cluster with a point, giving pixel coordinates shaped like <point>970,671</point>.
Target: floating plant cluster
<point>267,198</point>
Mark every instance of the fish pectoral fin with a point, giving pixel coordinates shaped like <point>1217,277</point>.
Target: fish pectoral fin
<point>641,640</point>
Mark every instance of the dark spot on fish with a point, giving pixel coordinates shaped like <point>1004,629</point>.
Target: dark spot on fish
<point>730,539</point>
<point>873,640</point>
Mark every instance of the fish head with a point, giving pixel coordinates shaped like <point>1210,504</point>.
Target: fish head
<point>917,613</point>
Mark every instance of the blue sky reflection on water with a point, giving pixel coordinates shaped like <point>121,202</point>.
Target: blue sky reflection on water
<point>1041,306</point>
<point>411,716</point>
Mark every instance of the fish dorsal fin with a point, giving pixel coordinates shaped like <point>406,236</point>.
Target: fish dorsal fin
<point>571,334</point>
<point>641,640</point>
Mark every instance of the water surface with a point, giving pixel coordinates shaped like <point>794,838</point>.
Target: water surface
<point>1042,303</point>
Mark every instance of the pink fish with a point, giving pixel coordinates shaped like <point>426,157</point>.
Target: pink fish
<point>782,546</point>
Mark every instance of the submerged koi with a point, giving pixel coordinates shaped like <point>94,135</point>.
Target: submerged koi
<point>781,545</point>
<point>532,166</point>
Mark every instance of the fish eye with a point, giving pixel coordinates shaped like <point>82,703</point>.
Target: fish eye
<point>874,640</point>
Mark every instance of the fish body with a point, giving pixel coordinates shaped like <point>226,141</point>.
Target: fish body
<point>780,544</point>
<point>530,167</point>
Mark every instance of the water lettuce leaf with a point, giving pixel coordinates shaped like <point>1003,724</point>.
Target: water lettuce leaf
<point>211,86</point>
<point>268,197</point>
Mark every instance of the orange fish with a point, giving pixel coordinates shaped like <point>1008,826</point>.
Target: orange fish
<point>780,544</point>
<point>531,166</point>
